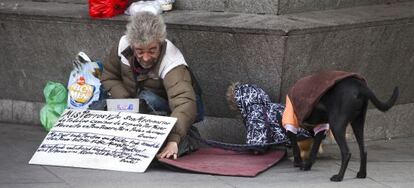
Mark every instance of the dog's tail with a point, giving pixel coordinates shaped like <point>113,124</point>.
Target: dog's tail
<point>381,105</point>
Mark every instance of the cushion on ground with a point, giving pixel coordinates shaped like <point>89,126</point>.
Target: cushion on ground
<point>223,162</point>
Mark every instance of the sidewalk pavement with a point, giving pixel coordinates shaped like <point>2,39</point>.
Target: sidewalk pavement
<point>390,164</point>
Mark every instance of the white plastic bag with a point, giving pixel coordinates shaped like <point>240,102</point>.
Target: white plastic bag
<point>142,6</point>
<point>166,5</point>
<point>84,84</point>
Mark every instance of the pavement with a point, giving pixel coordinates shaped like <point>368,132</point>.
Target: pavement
<point>390,164</point>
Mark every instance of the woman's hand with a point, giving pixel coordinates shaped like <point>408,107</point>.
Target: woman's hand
<point>170,150</point>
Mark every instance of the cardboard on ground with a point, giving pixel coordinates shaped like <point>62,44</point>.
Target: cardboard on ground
<point>121,141</point>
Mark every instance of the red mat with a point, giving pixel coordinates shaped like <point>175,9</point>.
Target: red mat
<point>223,162</point>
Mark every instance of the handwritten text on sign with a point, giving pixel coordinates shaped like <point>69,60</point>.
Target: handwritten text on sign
<point>104,140</point>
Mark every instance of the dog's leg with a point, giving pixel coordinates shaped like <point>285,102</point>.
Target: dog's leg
<point>338,128</point>
<point>358,128</point>
<point>314,151</point>
<point>297,160</point>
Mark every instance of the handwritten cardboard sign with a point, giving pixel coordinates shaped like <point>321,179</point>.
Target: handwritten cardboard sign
<point>108,140</point>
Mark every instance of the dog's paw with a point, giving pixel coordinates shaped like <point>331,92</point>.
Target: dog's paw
<point>361,175</point>
<point>307,167</point>
<point>298,164</point>
<point>337,178</point>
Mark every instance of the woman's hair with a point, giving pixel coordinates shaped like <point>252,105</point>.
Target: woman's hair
<point>144,28</point>
<point>231,101</point>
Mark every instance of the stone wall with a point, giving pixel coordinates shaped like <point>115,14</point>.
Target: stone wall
<point>40,40</point>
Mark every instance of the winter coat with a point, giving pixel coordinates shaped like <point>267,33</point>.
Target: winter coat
<point>307,91</point>
<point>169,78</point>
<point>262,118</point>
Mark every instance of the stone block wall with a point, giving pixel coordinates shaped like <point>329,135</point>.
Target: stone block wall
<point>40,40</point>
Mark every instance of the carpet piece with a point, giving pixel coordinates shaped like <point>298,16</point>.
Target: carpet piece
<point>223,162</point>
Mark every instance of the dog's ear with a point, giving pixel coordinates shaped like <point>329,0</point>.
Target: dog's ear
<point>230,96</point>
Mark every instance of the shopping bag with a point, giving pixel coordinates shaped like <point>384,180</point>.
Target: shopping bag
<point>56,96</point>
<point>84,86</point>
<point>107,8</point>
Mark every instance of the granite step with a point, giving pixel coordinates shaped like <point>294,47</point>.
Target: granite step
<point>40,40</point>
<point>275,7</point>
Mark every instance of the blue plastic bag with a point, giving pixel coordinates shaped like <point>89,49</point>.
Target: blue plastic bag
<point>84,84</point>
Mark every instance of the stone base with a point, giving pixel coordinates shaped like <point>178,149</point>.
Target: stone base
<point>397,122</point>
